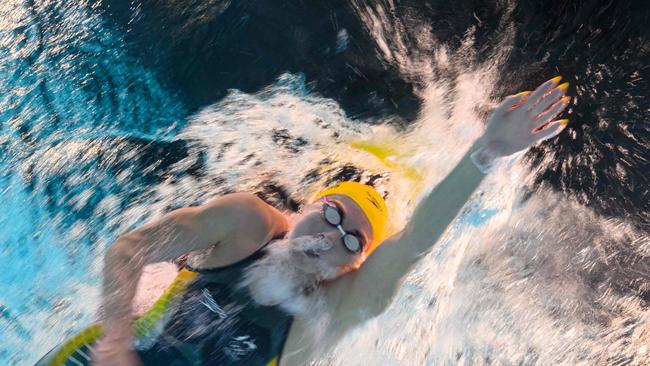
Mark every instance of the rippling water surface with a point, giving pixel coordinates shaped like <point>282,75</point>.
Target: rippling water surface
<point>113,113</point>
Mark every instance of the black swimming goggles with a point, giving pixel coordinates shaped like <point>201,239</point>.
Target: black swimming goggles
<point>333,217</point>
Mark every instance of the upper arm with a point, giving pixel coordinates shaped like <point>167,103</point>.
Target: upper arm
<point>234,219</point>
<point>367,292</point>
<point>371,289</point>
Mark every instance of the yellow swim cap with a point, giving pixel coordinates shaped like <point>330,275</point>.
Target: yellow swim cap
<point>370,202</point>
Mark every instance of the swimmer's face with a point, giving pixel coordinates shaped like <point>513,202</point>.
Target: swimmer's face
<point>313,223</point>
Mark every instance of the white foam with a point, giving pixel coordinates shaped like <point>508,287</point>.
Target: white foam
<point>521,288</point>
<point>536,284</point>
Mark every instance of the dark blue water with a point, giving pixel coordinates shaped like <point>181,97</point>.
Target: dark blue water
<point>601,47</point>
<point>94,93</point>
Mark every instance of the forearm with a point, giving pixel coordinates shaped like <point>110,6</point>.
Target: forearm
<point>122,271</point>
<point>434,214</point>
<point>519,122</point>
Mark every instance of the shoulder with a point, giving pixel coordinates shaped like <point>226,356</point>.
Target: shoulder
<point>246,215</point>
<point>236,225</point>
<point>240,201</point>
<point>365,293</point>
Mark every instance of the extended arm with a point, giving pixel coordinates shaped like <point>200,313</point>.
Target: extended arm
<point>519,122</point>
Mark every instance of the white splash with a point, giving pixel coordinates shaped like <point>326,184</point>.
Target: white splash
<point>543,281</point>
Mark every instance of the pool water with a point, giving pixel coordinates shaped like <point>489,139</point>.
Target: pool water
<point>114,113</point>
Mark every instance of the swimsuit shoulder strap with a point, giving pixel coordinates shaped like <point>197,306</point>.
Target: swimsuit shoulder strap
<point>259,253</point>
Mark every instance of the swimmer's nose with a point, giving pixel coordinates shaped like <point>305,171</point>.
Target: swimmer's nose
<point>311,253</point>
<point>314,251</point>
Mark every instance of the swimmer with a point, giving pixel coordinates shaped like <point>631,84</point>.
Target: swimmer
<point>264,281</point>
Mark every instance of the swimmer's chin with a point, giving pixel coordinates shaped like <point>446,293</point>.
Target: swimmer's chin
<point>288,277</point>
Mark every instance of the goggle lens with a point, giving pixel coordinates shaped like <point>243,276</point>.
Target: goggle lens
<point>333,217</point>
<point>352,243</point>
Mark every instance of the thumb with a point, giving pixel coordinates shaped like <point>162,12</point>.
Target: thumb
<point>552,130</point>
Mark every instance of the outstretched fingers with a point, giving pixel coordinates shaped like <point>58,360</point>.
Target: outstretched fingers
<point>539,93</point>
<point>550,130</point>
<point>549,99</point>
<point>553,110</point>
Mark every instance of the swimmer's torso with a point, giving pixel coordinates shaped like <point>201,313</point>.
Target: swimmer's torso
<point>217,323</point>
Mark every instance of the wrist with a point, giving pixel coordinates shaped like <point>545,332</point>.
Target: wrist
<point>483,155</point>
<point>483,159</point>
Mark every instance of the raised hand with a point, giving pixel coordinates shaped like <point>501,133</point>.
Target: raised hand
<point>521,121</point>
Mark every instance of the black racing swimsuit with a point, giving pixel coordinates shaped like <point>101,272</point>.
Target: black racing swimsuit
<point>217,323</point>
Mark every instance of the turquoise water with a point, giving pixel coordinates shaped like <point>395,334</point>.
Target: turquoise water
<point>79,113</point>
<point>73,102</point>
<point>94,141</point>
